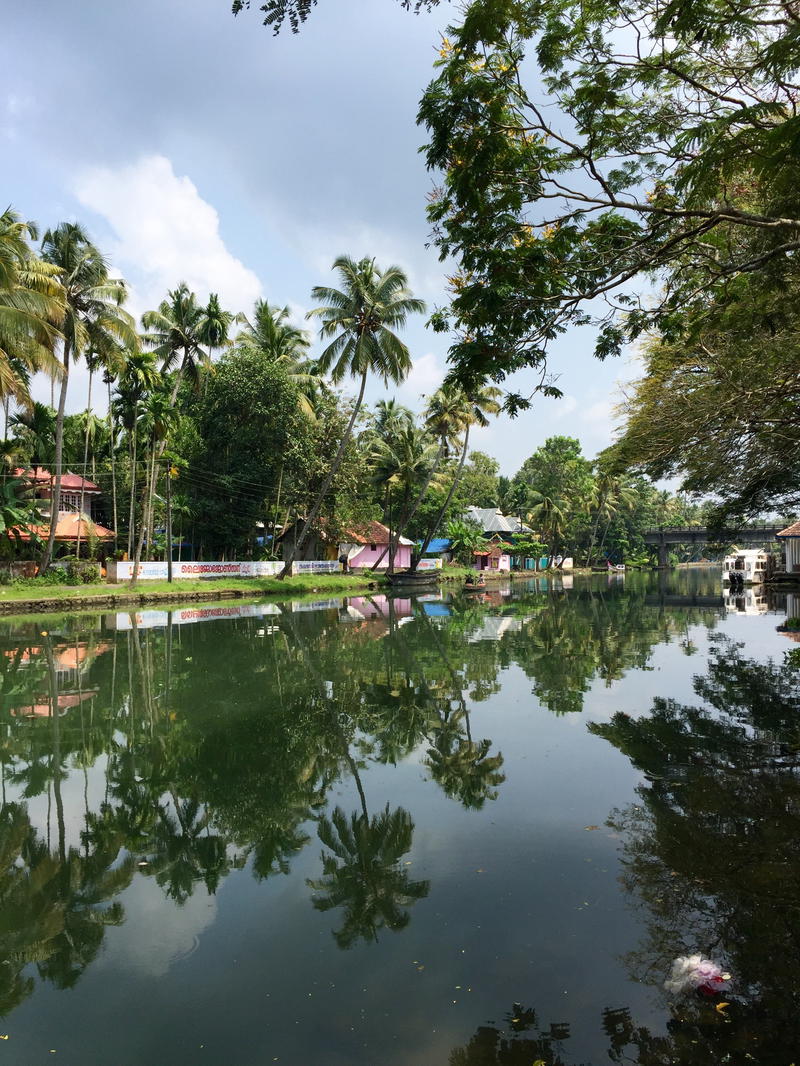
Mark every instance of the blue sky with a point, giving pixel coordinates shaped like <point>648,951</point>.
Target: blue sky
<point>196,146</point>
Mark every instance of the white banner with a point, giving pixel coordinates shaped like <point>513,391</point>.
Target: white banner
<point>429,564</point>
<point>210,570</point>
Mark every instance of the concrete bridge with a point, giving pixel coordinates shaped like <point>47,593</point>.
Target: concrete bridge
<point>753,537</point>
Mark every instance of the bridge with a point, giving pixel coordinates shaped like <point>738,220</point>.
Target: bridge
<point>753,536</point>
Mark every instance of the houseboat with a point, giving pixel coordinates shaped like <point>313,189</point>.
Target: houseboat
<point>745,566</point>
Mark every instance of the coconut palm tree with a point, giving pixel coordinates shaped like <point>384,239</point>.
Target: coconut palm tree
<point>360,318</point>
<point>94,320</point>
<point>401,464</point>
<point>110,360</point>
<point>31,309</point>
<point>181,330</point>
<point>216,325</point>
<point>139,377</point>
<point>547,514</point>
<point>271,333</point>
<point>35,429</point>
<point>458,414</point>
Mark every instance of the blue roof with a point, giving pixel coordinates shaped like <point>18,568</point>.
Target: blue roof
<point>439,544</point>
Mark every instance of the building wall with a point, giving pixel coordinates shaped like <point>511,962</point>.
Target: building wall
<point>486,562</point>
<point>368,556</point>
<point>792,553</point>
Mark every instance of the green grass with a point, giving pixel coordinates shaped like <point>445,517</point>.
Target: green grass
<point>145,590</point>
<point>75,597</point>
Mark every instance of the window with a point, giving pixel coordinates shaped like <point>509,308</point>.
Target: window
<point>373,547</point>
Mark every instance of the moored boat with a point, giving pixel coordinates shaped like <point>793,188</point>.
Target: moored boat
<point>411,579</point>
<point>745,566</point>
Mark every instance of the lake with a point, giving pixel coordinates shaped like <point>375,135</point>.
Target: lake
<point>463,830</point>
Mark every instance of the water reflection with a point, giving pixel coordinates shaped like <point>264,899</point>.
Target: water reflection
<point>173,749</point>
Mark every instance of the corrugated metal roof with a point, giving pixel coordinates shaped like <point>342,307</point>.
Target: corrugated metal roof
<point>491,520</point>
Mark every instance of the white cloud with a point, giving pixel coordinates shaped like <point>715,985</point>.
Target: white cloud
<point>425,377</point>
<point>566,405</point>
<point>599,412</point>
<point>164,232</point>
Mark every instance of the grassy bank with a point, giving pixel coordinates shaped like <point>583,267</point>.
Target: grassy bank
<point>35,596</point>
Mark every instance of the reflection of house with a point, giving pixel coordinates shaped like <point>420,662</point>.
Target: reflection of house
<point>71,661</point>
<point>362,545</point>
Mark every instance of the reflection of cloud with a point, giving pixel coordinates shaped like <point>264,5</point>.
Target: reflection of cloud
<point>165,233</point>
<point>155,933</point>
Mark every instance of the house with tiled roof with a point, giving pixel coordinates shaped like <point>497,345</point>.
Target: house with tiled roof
<point>361,546</point>
<point>790,538</point>
<point>71,523</point>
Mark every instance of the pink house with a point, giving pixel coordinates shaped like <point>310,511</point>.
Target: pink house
<point>367,543</point>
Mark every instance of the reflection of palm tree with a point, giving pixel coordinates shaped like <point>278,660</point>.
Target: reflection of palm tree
<point>464,769</point>
<point>363,875</point>
<point>31,917</point>
<point>184,853</point>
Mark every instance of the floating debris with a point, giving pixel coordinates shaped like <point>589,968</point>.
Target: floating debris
<point>693,972</point>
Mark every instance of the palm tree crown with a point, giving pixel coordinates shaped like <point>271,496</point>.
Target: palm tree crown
<point>361,318</point>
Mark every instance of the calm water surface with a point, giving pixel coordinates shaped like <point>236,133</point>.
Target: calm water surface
<point>463,831</point>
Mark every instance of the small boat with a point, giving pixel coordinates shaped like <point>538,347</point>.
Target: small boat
<point>412,579</point>
<point>745,566</point>
<point>478,585</point>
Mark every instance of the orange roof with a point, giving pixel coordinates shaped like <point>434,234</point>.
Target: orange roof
<point>66,529</point>
<point>68,481</point>
<point>370,533</point>
<point>791,531</point>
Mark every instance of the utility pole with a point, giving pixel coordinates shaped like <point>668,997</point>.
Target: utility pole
<point>169,521</point>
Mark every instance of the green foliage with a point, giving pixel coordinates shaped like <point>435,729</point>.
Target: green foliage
<point>276,12</point>
<point>582,150</point>
<point>245,429</point>
<point>717,404</point>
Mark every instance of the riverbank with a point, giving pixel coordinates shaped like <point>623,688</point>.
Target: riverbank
<point>34,598</point>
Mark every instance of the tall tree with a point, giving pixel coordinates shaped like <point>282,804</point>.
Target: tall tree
<point>585,149</point>
<point>360,318</point>
<point>94,320</point>
<point>180,333</point>
<point>474,408</point>
<point>31,309</point>
<point>271,333</point>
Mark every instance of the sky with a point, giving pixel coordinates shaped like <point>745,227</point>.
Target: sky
<point>198,147</point>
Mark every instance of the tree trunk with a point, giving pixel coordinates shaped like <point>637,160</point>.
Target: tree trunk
<point>85,461</point>
<point>150,502</point>
<point>403,524</point>
<point>600,504</point>
<point>147,500</point>
<point>113,465</point>
<point>443,510</point>
<point>132,516</point>
<point>55,497</point>
<point>337,462</point>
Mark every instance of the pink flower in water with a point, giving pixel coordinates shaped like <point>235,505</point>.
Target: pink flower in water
<point>695,972</point>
